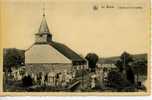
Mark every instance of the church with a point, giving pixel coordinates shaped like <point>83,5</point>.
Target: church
<point>48,56</point>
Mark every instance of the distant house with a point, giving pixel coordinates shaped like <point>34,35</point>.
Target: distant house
<point>108,63</point>
<point>47,56</point>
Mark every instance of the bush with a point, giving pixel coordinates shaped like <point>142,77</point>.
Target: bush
<point>27,81</point>
<point>116,80</point>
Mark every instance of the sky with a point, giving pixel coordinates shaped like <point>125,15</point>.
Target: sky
<point>104,31</point>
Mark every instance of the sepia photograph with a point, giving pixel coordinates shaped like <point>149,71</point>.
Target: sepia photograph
<point>85,47</point>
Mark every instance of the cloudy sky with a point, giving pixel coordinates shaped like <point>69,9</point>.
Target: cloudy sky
<point>105,31</point>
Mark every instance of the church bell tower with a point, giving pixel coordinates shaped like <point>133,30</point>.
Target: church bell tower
<point>43,35</point>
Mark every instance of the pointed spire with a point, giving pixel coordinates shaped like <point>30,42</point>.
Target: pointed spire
<point>43,27</point>
<point>43,34</point>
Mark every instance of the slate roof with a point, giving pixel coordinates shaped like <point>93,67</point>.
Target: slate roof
<point>66,51</point>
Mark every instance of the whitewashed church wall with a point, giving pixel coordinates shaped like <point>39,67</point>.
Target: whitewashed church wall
<point>46,68</point>
<point>44,54</point>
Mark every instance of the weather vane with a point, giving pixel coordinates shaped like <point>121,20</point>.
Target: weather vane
<point>43,8</point>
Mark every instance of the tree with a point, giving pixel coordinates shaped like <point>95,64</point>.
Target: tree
<point>126,58</point>
<point>124,61</point>
<point>12,57</point>
<point>119,65</point>
<point>92,60</point>
<point>124,66</point>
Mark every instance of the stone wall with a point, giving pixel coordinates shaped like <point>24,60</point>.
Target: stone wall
<point>46,68</point>
<point>55,75</point>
